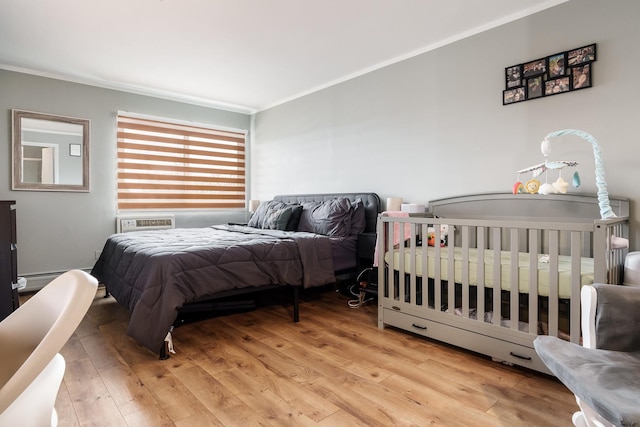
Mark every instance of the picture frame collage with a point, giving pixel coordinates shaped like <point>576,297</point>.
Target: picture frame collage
<point>558,73</point>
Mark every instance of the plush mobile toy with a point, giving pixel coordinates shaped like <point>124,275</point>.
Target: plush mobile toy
<point>444,234</point>
<point>532,186</point>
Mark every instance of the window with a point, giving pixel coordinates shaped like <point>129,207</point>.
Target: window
<point>165,165</point>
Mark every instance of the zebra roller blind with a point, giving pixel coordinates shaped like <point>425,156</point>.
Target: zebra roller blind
<point>165,165</point>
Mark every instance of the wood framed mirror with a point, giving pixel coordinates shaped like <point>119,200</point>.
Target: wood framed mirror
<point>50,152</point>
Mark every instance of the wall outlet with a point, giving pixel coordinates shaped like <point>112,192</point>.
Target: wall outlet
<point>97,254</point>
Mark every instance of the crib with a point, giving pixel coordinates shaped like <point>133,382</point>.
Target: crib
<point>511,268</point>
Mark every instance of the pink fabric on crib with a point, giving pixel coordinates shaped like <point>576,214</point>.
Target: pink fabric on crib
<point>396,232</point>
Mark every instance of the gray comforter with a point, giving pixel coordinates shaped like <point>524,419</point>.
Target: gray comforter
<point>154,273</point>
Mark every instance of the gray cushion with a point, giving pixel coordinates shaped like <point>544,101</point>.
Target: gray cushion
<point>358,222</point>
<point>277,219</point>
<point>607,381</point>
<point>330,218</point>
<point>618,317</point>
<point>272,215</point>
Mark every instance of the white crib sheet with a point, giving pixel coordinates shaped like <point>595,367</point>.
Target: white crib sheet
<point>564,269</point>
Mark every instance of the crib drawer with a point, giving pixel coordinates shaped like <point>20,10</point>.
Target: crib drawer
<point>493,346</point>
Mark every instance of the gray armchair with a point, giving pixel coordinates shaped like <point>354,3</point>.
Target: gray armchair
<point>603,373</point>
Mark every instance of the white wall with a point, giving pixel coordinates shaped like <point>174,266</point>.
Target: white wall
<point>59,231</point>
<point>434,125</point>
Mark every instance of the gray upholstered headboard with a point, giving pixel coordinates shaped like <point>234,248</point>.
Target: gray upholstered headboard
<point>371,202</point>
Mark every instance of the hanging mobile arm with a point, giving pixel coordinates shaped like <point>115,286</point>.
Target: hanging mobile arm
<point>603,195</point>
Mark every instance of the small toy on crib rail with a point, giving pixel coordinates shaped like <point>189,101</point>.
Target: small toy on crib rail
<point>532,186</point>
<point>444,235</point>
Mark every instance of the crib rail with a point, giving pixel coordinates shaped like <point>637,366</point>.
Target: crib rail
<point>468,283</point>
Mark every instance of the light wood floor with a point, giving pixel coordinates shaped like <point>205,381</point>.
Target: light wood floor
<point>334,368</point>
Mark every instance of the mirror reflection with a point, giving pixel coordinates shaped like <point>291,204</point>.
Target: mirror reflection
<point>50,152</point>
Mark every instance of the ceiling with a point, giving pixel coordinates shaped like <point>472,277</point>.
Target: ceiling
<point>241,55</point>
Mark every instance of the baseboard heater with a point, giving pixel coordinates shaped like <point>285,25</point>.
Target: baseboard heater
<point>125,224</point>
<point>37,281</point>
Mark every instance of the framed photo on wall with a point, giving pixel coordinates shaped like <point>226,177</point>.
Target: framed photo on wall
<point>581,76</point>
<point>512,96</point>
<point>513,76</point>
<point>555,86</point>
<point>535,86</point>
<point>557,65</point>
<point>533,68</point>
<point>582,55</point>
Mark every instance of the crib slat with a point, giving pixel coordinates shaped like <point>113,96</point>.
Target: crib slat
<point>497,275</point>
<point>553,282</point>
<point>393,287</point>
<point>412,265</point>
<point>514,268</point>
<point>600,258</point>
<point>425,265</point>
<point>576,275</point>
<point>399,231</point>
<point>437,274</point>
<point>534,315</point>
<point>451,271</point>
<point>465,270</point>
<point>481,246</point>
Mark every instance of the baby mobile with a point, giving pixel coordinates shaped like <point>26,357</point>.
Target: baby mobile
<point>534,186</point>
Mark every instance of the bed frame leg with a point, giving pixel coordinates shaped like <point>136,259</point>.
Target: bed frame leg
<point>164,351</point>
<point>296,304</point>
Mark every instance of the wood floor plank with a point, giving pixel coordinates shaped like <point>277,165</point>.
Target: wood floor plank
<point>103,355</point>
<point>278,412</point>
<point>438,406</point>
<point>91,400</point>
<point>127,390</point>
<point>546,388</point>
<point>173,396</point>
<point>474,396</point>
<point>148,417</point>
<point>278,363</point>
<point>259,368</point>
<point>73,350</point>
<point>357,406</point>
<point>341,419</point>
<point>222,404</point>
<point>64,408</point>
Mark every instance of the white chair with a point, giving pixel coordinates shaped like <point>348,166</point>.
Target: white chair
<point>31,369</point>
<point>603,373</point>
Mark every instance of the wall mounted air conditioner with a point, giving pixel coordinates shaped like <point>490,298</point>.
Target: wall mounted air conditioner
<point>125,224</point>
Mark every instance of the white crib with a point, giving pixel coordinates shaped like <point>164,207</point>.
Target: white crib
<point>496,305</point>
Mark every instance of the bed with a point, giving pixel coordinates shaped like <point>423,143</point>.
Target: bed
<point>297,241</point>
<point>519,262</point>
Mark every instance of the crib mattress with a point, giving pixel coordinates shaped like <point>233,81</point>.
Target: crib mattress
<point>564,269</point>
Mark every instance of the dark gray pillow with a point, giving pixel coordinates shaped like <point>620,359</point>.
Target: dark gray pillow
<point>277,219</point>
<point>331,217</point>
<point>272,215</point>
<point>358,223</point>
<point>296,212</point>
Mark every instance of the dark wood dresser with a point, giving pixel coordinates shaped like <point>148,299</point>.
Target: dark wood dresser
<point>8,259</point>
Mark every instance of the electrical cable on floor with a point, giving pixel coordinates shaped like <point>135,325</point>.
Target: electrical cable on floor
<point>360,295</point>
